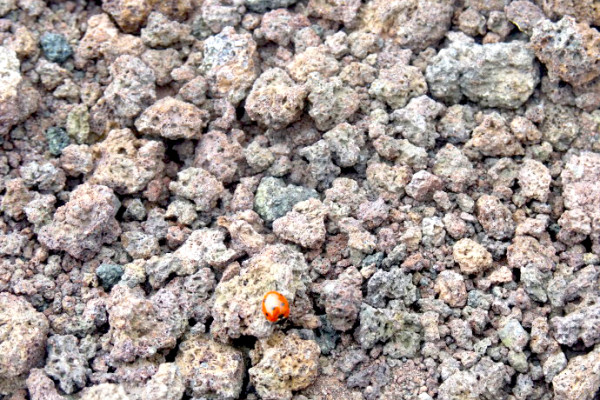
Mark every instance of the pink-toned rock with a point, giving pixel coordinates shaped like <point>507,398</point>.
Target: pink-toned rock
<point>304,225</point>
<point>275,100</point>
<point>198,185</point>
<point>172,119</point>
<point>85,223</point>
<point>125,163</point>
<point>451,288</point>
<point>495,217</point>
<point>534,179</point>
<point>23,331</point>
<point>423,185</point>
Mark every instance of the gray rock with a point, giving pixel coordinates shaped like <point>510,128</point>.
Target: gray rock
<point>65,363</point>
<point>55,47</point>
<point>261,6</point>
<point>393,284</point>
<point>109,275</point>
<point>582,324</point>
<point>494,75</point>
<point>400,330</point>
<point>513,335</point>
<point>57,140</point>
<point>274,199</point>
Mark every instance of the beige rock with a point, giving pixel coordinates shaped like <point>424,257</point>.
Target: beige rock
<point>210,369</point>
<point>282,364</point>
<point>304,225</point>
<point>415,24</point>
<point>102,39</point>
<point>314,59</point>
<point>129,14</point>
<point>275,100</point>
<point>166,384</point>
<point>237,308</point>
<point>534,179</point>
<point>230,64</point>
<point>105,391</point>
<point>451,288</point>
<point>172,119</point>
<point>198,185</point>
<point>581,379</point>
<point>125,163</point>
<point>23,331</point>
<point>472,257</point>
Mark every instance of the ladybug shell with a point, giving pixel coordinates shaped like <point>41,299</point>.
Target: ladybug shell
<point>275,306</point>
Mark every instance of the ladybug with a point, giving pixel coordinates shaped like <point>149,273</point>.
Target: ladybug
<point>275,306</point>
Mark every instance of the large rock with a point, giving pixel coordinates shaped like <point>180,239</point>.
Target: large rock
<point>494,75</point>
<point>85,223</point>
<point>237,308</point>
<point>210,369</point>
<point>22,339</point>
<point>581,379</point>
<point>282,364</point>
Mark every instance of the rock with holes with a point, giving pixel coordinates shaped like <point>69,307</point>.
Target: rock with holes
<point>125,163</point>
<point>282,364</point>
<point>172,119</point>
<point>210,369</point>
<point>237,308</point>
<point>85,223</point>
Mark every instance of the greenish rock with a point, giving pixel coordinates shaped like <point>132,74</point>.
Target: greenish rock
<point>57,140</point>
<point>403,344</point>
<point>273,199</point>
<point>513,335</point>
<point>55,47</point>
<point>518,360</point>
<point>535,282</point>
<point>109,275</point>
<point>78,124</point>
<point>399,329</point>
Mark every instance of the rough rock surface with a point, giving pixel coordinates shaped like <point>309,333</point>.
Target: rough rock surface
<point>493,75</point>
<point>282,364</point>
<point>126,164</point>
<point>580,379</point>
<point>85,223</point>
<point>275,100</point>
<point>237,308</point>
<point>24,333</point>
<point>577,45</point>
<point>419,178</point>
<point>172,119</point>
<point>229,65</point>
<point>209,368</point>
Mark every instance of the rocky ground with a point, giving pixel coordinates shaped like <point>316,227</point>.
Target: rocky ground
<point>420,179</point>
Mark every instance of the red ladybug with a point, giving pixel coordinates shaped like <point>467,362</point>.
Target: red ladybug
<point>275,306</point>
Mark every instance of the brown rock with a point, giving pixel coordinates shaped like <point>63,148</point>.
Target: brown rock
<point>472,257</point>
<point>172,119</point>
